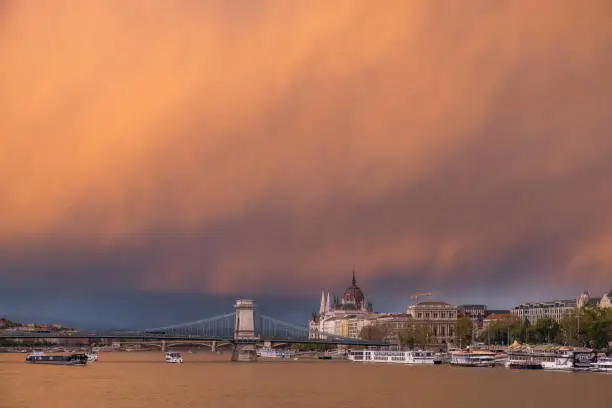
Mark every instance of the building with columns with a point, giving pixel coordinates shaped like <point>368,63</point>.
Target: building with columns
<point>438,319</point>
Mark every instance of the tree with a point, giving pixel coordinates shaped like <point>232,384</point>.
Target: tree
<point>372,333</point>
<point>503,331</point>
<point>422,335</point>
<point>597,326</point>
<point>463,331</point>
<point>588,326</point>
<point>545,330</point>
<point>407,337</point>
<point>568,329</point>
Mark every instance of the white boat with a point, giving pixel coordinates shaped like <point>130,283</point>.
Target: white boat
<point>472,358</point>
<point>392,356</point>
<point>562,360</point>
<point>268,352</point>
<point>603,364</point>
<point>91,357</point>
<point>174,357</point>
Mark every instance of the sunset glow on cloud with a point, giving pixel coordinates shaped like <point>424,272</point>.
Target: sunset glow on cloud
<point>220,146</point>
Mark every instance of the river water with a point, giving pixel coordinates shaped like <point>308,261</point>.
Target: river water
<point>143,379</point>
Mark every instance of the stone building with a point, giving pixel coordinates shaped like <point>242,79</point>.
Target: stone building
<point>493,318</point>
<point>394,324</point>
<point>437,318</point>
<point>474,312</point>
<point>585,299</point>
<point>553,309</point>
<point>606,300</point>
<point>342,316</point>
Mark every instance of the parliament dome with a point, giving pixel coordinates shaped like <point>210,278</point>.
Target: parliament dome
<point>353,294</point>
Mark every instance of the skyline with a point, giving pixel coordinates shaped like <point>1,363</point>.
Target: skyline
<point>210,149</point>
<point>92,309</point>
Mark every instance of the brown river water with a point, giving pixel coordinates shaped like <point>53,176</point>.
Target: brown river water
<point>143,379</point>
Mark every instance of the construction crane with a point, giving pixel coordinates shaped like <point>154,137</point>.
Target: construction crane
<point>416,296</point>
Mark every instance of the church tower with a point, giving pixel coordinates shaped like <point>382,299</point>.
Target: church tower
<point>322,308</point>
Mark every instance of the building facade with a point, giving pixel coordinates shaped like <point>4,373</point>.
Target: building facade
<point>342,316</point>
<point>394,325</point>
<point>606,300</point>
<point>554,310</point>
<point>493,318</point>
<point>437,318</point>
<point>475,312</point>
<point>585,299</point>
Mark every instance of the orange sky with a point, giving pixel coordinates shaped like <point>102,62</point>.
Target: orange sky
<point>214,146</point>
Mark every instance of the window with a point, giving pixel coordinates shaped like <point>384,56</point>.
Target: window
<point>419,315</point>
<point>427,315</point>
<point>442,331</point>
<point>435,315</point>
<point>444,315</point>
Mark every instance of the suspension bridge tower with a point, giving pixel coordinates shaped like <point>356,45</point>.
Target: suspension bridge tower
<point>245,338</point>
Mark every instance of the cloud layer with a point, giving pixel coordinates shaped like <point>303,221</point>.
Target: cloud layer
<point>228,147</point>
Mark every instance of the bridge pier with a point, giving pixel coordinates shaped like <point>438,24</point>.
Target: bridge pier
<point>244,332</point>
<point>163,346</point>
<point>213,348</point>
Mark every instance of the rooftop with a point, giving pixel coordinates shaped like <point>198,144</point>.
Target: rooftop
<point>498,316</point>
<point>548,303</point>
<point>433,303</point>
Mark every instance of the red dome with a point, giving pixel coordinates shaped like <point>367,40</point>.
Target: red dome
<point>353,294</point>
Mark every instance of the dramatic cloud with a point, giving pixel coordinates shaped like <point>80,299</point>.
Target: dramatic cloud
<point>267,146</point>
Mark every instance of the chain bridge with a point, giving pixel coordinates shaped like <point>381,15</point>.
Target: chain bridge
<point>243,328</point>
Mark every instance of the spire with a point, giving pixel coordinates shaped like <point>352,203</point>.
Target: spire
<point>328,303</point>
<point>322,308</point>
<point>354,281</point>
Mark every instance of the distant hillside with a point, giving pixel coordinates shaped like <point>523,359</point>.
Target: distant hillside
<point>52,320</point>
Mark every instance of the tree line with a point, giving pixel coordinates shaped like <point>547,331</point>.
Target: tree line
<point>590,326</point>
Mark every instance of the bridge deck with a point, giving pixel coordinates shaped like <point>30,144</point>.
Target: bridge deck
<point>228,327</point>
<point>145,336</point>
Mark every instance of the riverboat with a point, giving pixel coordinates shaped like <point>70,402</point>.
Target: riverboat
<point>472,358</point>
<point>559,360</point>
<point>523,365</point>
<point>602,364</point>
<point>392,356</point>
<point>92,357</point>
<point>174,357</point>
<point>268,352</point>
<point>42,358</point>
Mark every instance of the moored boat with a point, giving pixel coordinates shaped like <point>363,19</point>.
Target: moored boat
<point>268,352</point>
<point>583,360</point>
<point>174,357</point>
<point>92,357</point>
<point>530,359</point>
<point>42,358</point>
<point>392,356</point>
<point>523,365</point>
<point>602,364</point>
<point>472,358</point>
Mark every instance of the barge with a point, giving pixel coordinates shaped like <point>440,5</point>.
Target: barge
<point>42,358</point>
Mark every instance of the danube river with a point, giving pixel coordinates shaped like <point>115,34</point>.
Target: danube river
<point>204,380</point>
